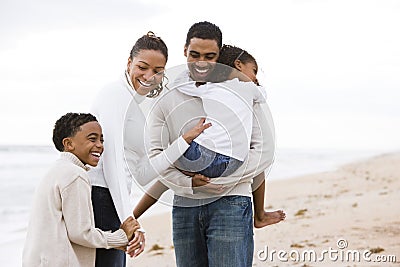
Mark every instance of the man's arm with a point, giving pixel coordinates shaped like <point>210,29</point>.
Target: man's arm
<point>159,140</point>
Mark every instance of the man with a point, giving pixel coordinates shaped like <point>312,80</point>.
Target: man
<point>212,220</point>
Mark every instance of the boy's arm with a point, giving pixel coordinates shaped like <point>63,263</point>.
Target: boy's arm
<point>79,220</point>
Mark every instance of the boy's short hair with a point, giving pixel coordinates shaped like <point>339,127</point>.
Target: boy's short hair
<point>204,30</point>
<point>68,125</point>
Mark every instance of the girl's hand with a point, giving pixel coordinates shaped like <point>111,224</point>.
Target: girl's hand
<point>196,130</point>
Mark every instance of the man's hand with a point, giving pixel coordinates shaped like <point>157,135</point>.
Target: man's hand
<point>201,183</point>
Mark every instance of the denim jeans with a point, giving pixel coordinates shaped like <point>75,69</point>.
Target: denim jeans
<point>202,160</point>
<point>217,234</point>
<point>106,218</point>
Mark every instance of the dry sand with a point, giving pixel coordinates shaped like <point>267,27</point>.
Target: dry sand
<point>356,206</point>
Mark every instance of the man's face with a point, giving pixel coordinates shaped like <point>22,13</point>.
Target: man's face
<point>201,54</point>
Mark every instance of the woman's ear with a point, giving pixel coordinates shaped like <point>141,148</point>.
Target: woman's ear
<point>68,144</point>
<point>238,64</point>
<point>128,65</point>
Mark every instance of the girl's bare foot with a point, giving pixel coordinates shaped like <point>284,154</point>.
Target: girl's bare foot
<point>268,218</point>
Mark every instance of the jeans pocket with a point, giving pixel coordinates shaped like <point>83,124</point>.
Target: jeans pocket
<point>241,201</point>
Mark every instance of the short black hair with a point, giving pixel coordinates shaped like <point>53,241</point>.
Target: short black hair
<point>204,30</point>
<point>68,125</point>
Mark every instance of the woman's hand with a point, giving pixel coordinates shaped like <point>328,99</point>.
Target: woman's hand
<point>196,130</point>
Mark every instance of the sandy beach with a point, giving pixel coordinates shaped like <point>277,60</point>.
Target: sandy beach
<point>347,217</point>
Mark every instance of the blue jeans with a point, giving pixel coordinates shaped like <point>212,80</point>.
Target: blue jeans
<point>217,234</point>
<point>106,218</point>
<point>202,160</point>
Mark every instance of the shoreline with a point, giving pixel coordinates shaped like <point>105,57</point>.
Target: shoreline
<point>355,206</point>
<point>357,203</point>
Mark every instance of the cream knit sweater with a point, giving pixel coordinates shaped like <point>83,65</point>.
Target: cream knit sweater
<point>61,229</point>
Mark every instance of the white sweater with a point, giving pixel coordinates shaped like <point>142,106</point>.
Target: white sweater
<point>61,229</point>
<point>229,107</point>
<point>116,107</point>
<point>175,112</point>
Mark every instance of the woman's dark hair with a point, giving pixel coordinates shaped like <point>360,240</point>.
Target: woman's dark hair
<point>149,42</point>
<point>204,30</point>
<point>68,125</point>
<point>229,54</point>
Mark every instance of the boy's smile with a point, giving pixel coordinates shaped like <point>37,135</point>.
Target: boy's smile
<point>87,143</point>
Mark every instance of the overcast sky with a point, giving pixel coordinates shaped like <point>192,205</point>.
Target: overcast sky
<point>331,68</point>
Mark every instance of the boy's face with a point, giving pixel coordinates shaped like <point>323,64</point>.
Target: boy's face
<point>201,54</point>
<point>87,144</point>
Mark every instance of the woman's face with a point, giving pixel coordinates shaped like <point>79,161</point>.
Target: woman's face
<point>146,70</point>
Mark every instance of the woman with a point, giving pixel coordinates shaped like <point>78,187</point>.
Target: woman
<point>111,178</point>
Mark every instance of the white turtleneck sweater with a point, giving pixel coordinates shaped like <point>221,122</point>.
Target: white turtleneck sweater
<point>125,157</point>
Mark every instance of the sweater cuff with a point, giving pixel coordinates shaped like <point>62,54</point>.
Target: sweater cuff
<point>176,150</point>
<point>117,239</point>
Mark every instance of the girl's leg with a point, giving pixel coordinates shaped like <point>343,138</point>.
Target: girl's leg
<point>261,217</point>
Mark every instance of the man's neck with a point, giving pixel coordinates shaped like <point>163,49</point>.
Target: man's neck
<point>199,83</point>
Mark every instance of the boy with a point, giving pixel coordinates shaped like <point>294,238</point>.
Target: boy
<point>61,230</point>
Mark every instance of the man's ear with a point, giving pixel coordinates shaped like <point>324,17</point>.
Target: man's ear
<point>68,144</point>
<point>238,64</point>
<point>185,50</point>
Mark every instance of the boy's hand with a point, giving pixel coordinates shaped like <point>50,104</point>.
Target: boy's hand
<point>130,226</point>
<point>196,130</point>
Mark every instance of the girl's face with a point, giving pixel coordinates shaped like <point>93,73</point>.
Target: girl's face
<point>250,69</point>
<point>146,70</point>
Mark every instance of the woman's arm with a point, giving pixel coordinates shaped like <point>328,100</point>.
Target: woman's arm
<point>152,195</point>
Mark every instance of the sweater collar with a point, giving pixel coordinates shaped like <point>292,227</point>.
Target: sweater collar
<point>74,159</point>
<point>129,86</point>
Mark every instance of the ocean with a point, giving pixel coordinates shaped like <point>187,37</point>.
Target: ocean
<point>21,167</point>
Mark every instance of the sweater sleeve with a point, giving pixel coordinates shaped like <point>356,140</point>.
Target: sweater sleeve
<point>193,90</point>
<point>145,169</point>
<point>260,157</point>
<point>78,216</point>
<point>260,95</point>
<point>159,140</point>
